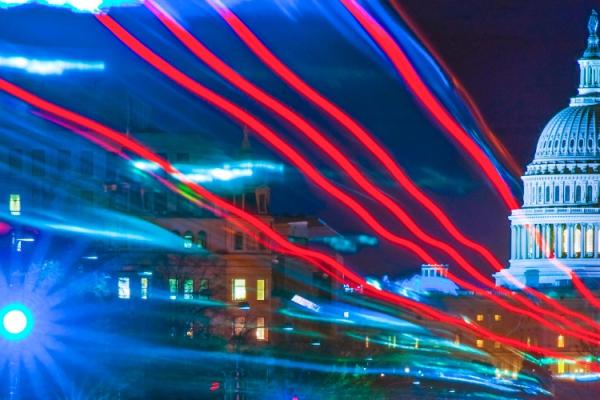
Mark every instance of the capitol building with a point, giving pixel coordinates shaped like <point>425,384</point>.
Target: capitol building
<point>559,223</point>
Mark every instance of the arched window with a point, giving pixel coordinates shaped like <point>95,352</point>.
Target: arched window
<point>188,239</point>
<point>588,194</point>
<point>567,194</point>
<point>578,194</point>
<point>556,194</point>
<point>202,239</point>
<point>577,241</point>
<point>547,194</point>
<point>539,196</point>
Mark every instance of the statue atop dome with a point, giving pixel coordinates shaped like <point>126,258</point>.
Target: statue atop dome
<point>592,48</point>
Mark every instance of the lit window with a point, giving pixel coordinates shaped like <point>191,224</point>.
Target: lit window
<point>14,204</point>
<point>261,330</point>
<point>260,289</point>
<point>188,289</point>
<point>144,283</point>
<point>496,345</point>
<point>173,288</point>
<point>528,341</point>
<point>238,241</point>
<point>188,240</point>
<point>479,317</point>
<point>457,340</point>
<point>497,317</point>
<point>239,323</point>
<point>239,289</point>
<point>560,341</point>
<point>479,343</point>
<point>366,342</point>
<point>124,290</point>
<point>560,366</point>
<point>416,343</point>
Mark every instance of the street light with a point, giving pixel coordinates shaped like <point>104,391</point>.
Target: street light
<point>17,321</point>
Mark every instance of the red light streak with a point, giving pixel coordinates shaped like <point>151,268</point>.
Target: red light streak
<point>428,100</point>
<point>142,151</point>
<point>320,140</point>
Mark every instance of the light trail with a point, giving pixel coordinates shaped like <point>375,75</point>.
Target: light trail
<point>352,126</point>
<point>412,79</point>
<point>142,151</point>
<point>272,138</point>
<point>404,68</point>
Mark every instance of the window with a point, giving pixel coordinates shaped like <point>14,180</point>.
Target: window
<point>578,194</point>
<point>497,317</point>
<point>188,289</point>
<point>86,163</point>
<point>560,342</point>
<point>63,163</point>
<point>416,343</point>
<point>188,240</point>
<point>173,288</point>
<point>239,324</point>
<point>539,194</point>
<point>262,203</point>
<point>496,345</point>
<point>239,290</point>
<point>203,288</point>
<point>589,241</point>
<point>15,159</point>
<point>261,330</point>
<point>588,194</point>
<point>479,317</point>
<point>457,340</point>
<point>366,342</point>
<point>38,161</point>
<point>560,366</point>
<point>565,240</point>
<point>556,194</point>
<point>479,343</point>
<point>14,204</point>
<point>124,290</point>
<point>547,194</point>
<point>260,289</point>
<point>238,241</point>
<point>144,284</point>
<point>202,239</point>
<point>567,193</point>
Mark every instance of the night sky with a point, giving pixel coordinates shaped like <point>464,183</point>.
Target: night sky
<point>517,60</point>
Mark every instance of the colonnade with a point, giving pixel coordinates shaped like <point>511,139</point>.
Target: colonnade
<point>573,240</point>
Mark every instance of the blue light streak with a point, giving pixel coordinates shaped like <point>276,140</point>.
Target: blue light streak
<point>48,67</point>
<point>91,6</point>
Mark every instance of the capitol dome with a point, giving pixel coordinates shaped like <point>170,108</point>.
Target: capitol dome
<point>559,222</point>
<point>571,135</point>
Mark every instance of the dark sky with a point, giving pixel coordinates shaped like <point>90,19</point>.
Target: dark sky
<point>516,58</point>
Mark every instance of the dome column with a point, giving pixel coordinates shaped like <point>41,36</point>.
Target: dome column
<point>570,252</point>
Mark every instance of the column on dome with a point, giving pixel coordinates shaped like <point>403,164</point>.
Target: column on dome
<point>570,240</point>
<point>596,240</point>
<point>513,242</point>
<point>523,241</point>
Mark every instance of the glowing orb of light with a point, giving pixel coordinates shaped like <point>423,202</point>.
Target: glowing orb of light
<point>17,322</point>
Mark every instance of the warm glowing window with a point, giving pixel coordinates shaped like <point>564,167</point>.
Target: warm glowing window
<point>124,290</point>
<point>239,324</point>
<point>239,289</point>
<point>144,284</point>
<point>560,366</point>
<point>366,342</point>
<point>188,289</point>
<point>260,289</point>
<point>173,288</point>
<point>479,317</point>
<point>560,341</point>
<point>14,204</point>
<point>497,317</point>
<point>479,343</point>
<point>496,345</point>
<point>261,330</point>
<point>416,343</point>
<point>528,341</point>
